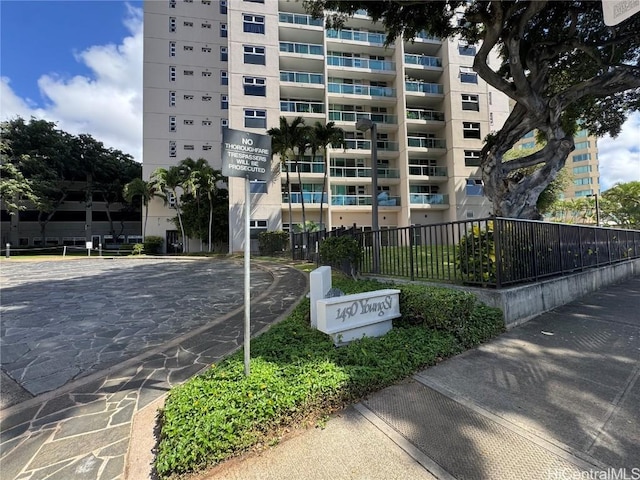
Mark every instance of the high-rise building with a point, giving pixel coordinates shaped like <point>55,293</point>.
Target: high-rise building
<point>243,64</point>
<point>581,166</point>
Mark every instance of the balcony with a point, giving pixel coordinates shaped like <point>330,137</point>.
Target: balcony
<point>352,117</point>
<point>307,166</point>
<point>366,90</point>
<point>372,38</point>
<point>360,144</point>
<point>427,171</point>
<point>426,115</point>
<point>310,198</point>
<point>423,61</point>
<point>298,19</point>
<point>428,199</point>
<point>362,172</point>
<point>364,200</point>
<point>301,48</point>
<point>421,142</point>
<point>301,107</point>
<point>424,36</point>
<point>423,87</point>
<point>302,77</point>
<point>362,63</point>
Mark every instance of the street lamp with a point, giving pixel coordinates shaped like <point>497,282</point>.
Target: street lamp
<point>363,124</point>
<point>595,196</point>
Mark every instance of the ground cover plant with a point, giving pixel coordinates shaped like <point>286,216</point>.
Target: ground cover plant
<point>297,374</point>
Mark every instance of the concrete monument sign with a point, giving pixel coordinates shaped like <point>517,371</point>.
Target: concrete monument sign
<point>349,317</point>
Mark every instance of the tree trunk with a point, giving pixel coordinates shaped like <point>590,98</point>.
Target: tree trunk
<point>210,220</point>
<point>290,214</point>
<point>324,188</point>
<point>304,216</point>
<point>185,247</point>
<point>146,217</point>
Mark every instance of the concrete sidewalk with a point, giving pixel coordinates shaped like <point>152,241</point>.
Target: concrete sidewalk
<point>556,398</point>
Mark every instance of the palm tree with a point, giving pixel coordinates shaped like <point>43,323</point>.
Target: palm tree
<point>146,191</point>
<point>167,181</point>
<point>303,139</point>
<point>203,177</point>
<point>284,140</point>
<point>321,137</point>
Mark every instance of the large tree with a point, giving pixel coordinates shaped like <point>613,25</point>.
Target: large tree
<point>559,64</point>
<point>620,205</point>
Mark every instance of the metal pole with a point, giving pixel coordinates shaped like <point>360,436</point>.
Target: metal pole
<point>8,251</point>
<point>247,281</point>
<point>374,198</point>
<point>597,211</point>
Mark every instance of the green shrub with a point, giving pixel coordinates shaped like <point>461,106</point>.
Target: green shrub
<point>344,253</point>
<point>153,244</point>
<point>437,308</point>
<point>273,243</point>
<point>138,249</point>
<point>484,324</point>
<point>476,255</point>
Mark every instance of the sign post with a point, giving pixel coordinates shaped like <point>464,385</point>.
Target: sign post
<point>246,155</point>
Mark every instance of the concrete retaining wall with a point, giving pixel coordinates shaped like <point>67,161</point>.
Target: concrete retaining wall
<point>525,302</point>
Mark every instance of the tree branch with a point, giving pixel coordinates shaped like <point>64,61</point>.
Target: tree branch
<point>616,80</point>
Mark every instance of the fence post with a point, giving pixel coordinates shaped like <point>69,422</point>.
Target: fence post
<point>533,251</point>
<point>411,263</point>
<point>560,248</point>
<point>64,251</point>
<point>100,249</point>
<point>8,250</point>
<point>498,245</point>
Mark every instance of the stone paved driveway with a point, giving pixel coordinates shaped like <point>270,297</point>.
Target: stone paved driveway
<point>64,320</point>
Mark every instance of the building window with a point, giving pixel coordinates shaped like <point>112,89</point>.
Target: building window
<point>172,99</point>
<point>583,181</point>
<point>187,97</point>
<point>474,187</point>
<point>172,49</point>
<point>223,7</point>
<point>582,157</point>
<point>582,145</point>
<point>255,1</point>
<point>256,227</point>
<point>188,24</point>
<point>466,49</point>
<point>471,130</point>
<point>187,73</point>
<point>206,49</point>
<point>206,2</point>
<point>253,23</point>
<point>467,75</point>
<point>583,169</point>
<point>172,3</point>
<point>255,86</point>
<point>206,98</point>
<point>206,74</point>
<point>172,124</point>
<point>188,48</point>
<point>224,102</point>
<point>529,134</point>
<point>224,77</point>
<point>206,25</point>
<point>187,122</point>
<point>224,122</point>
<point>206,123</point>
<point>206,147</point>
<point>255,118</point>
<point>224,54</point>
<point>223,30</point>
<point>584,193</point>
<point>257,186</point>
<point>172,24</point>
<point>172,148</point>
<point>171,200</point>
<point>172,74</point>
<point>472,158</point>
<point>527,145</point>
<point>254,55</point>
<point>189,147</point>
<point>470,102</point>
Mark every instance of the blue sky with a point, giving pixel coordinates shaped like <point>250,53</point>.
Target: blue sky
<point>79,63</point>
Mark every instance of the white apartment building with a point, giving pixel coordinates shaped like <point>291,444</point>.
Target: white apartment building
<point>244,63</point>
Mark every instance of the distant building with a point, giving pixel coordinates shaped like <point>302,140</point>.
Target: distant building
<point>244,64</point>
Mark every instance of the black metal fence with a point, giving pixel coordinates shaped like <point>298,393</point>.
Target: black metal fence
<point>493,252</point>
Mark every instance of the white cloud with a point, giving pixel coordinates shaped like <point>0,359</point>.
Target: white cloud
<point>107,104</point>
<point>620,157</point>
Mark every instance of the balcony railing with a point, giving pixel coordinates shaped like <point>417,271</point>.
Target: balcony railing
<point>426,36</point>
<point>364,63</point>
<point>428,115</point>
<point>349,89</point>
<point>422,142</point>
<point>427,170</point>
<point>357,36</point>
<point>423,60</point>
<point>301,107</point>
<point>302,48</point>
<point>302,77</point>
<point>422,87</point>
<point>360,200</point>
<point>428,199</point>
<point>309,197</point>
<point>362,172</point>
<point>298,19</point>
<point>357,144</point>
<point>339,116</point>
<point>306,167</point>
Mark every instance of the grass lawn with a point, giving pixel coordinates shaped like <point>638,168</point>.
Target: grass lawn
<point>297,374</point>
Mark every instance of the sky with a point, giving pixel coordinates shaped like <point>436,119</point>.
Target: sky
<point>79,63</point>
